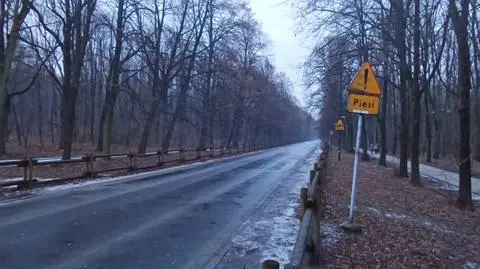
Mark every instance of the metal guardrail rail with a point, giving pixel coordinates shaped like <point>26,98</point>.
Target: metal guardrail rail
<point>28,164</point>
<point>307,245</point>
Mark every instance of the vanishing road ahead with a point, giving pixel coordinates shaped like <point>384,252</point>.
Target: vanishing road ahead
<point>179,219</point>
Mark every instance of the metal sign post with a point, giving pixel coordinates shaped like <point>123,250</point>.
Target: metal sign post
<point>339,148</point>
<point>355,169</point>
<point>331,137</point>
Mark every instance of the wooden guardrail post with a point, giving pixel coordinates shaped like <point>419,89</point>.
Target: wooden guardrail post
<point>30,169</point>
<point>303,202</point>
<point>198,154</point>
<point>160,157</point>
<point>212,152</point>
<point>25,169</point>
<point>270,264</point>
<point>132,164</point>
<point>182,155</point>
<point>221,151</point>
<point>89,159</point>
<point>315,231</point>
<point>27,164</point>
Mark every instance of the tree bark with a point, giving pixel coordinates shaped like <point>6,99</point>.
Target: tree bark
<point>401,26</point>
<point>7,53</point>
<point>383,122</point>
<point>460,23</point>
<point>415,96</point>
<point>113,82</point>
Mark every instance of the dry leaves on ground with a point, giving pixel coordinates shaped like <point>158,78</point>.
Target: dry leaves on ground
<point>403,226</point>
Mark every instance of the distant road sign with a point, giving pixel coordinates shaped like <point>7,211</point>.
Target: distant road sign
<point>363,104</point>
<point>340,126</point>
<point>365,81</point>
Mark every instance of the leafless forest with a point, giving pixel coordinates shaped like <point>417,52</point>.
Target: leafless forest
<point>426,56</point>
<point>167,74</point>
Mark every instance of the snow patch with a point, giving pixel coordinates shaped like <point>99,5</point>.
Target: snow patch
<point>273,236</point>
<point>73,185</point>
<point>282,231</point>
<point>374,210</point>
<point>472,265</point>
<point>414,220</point>
<point>330,234</point>
<point>395,216</point>
<point>284,228</point>
<point>283,237</point>
<point>11,179</point>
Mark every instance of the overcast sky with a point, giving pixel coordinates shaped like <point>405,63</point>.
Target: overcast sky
<point>288,51</point>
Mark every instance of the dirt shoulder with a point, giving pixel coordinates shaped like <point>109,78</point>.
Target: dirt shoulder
<point>403,226</point>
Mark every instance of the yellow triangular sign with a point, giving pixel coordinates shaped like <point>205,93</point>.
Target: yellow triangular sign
<point>365,81</point>
<point>339,126</point>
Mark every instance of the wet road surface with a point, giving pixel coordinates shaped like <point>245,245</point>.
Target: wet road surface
<point>176,220</point>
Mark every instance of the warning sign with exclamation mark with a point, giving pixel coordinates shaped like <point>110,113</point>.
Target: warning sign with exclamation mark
<point>365,82</point>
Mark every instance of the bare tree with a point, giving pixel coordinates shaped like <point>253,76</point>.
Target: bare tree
<point>12,17</point>
<point>72,36</point>
<point>460,24</point>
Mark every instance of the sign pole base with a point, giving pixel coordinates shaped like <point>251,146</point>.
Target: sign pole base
<point>339,149</point>
<point>349,225</point>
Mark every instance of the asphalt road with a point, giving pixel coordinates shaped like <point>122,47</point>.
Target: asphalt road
<point>180,219</point>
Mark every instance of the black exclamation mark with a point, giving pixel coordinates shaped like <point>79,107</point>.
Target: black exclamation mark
<point>365,77</point>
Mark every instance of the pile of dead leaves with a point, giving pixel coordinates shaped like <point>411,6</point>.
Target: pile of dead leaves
<point>403,226</point>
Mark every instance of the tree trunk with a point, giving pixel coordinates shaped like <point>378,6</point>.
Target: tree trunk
<point>69,98</point>
<point>207,113</point>
<point>460,22</point>
<point>477,125</point>
<point>383,122</point>
<point>401,26</point>
<point>107,115</point>
<point>365,156</point>
<point>7,54</point>
<point>179,113</point>
<point>93,105</point>
<point>428,126</point>
<point>351,132</point>
<point>415,97</point>
<point>113,83</point>
<point>40,119</point>
<point>52,117</point>
<point>142,146</point>
<point>4,126</point>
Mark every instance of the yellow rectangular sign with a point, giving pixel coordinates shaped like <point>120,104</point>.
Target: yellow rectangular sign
<point>363,104</point>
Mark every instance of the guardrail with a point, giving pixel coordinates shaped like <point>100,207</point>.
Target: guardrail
<point>307,245</point>
<point>163,157</point>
